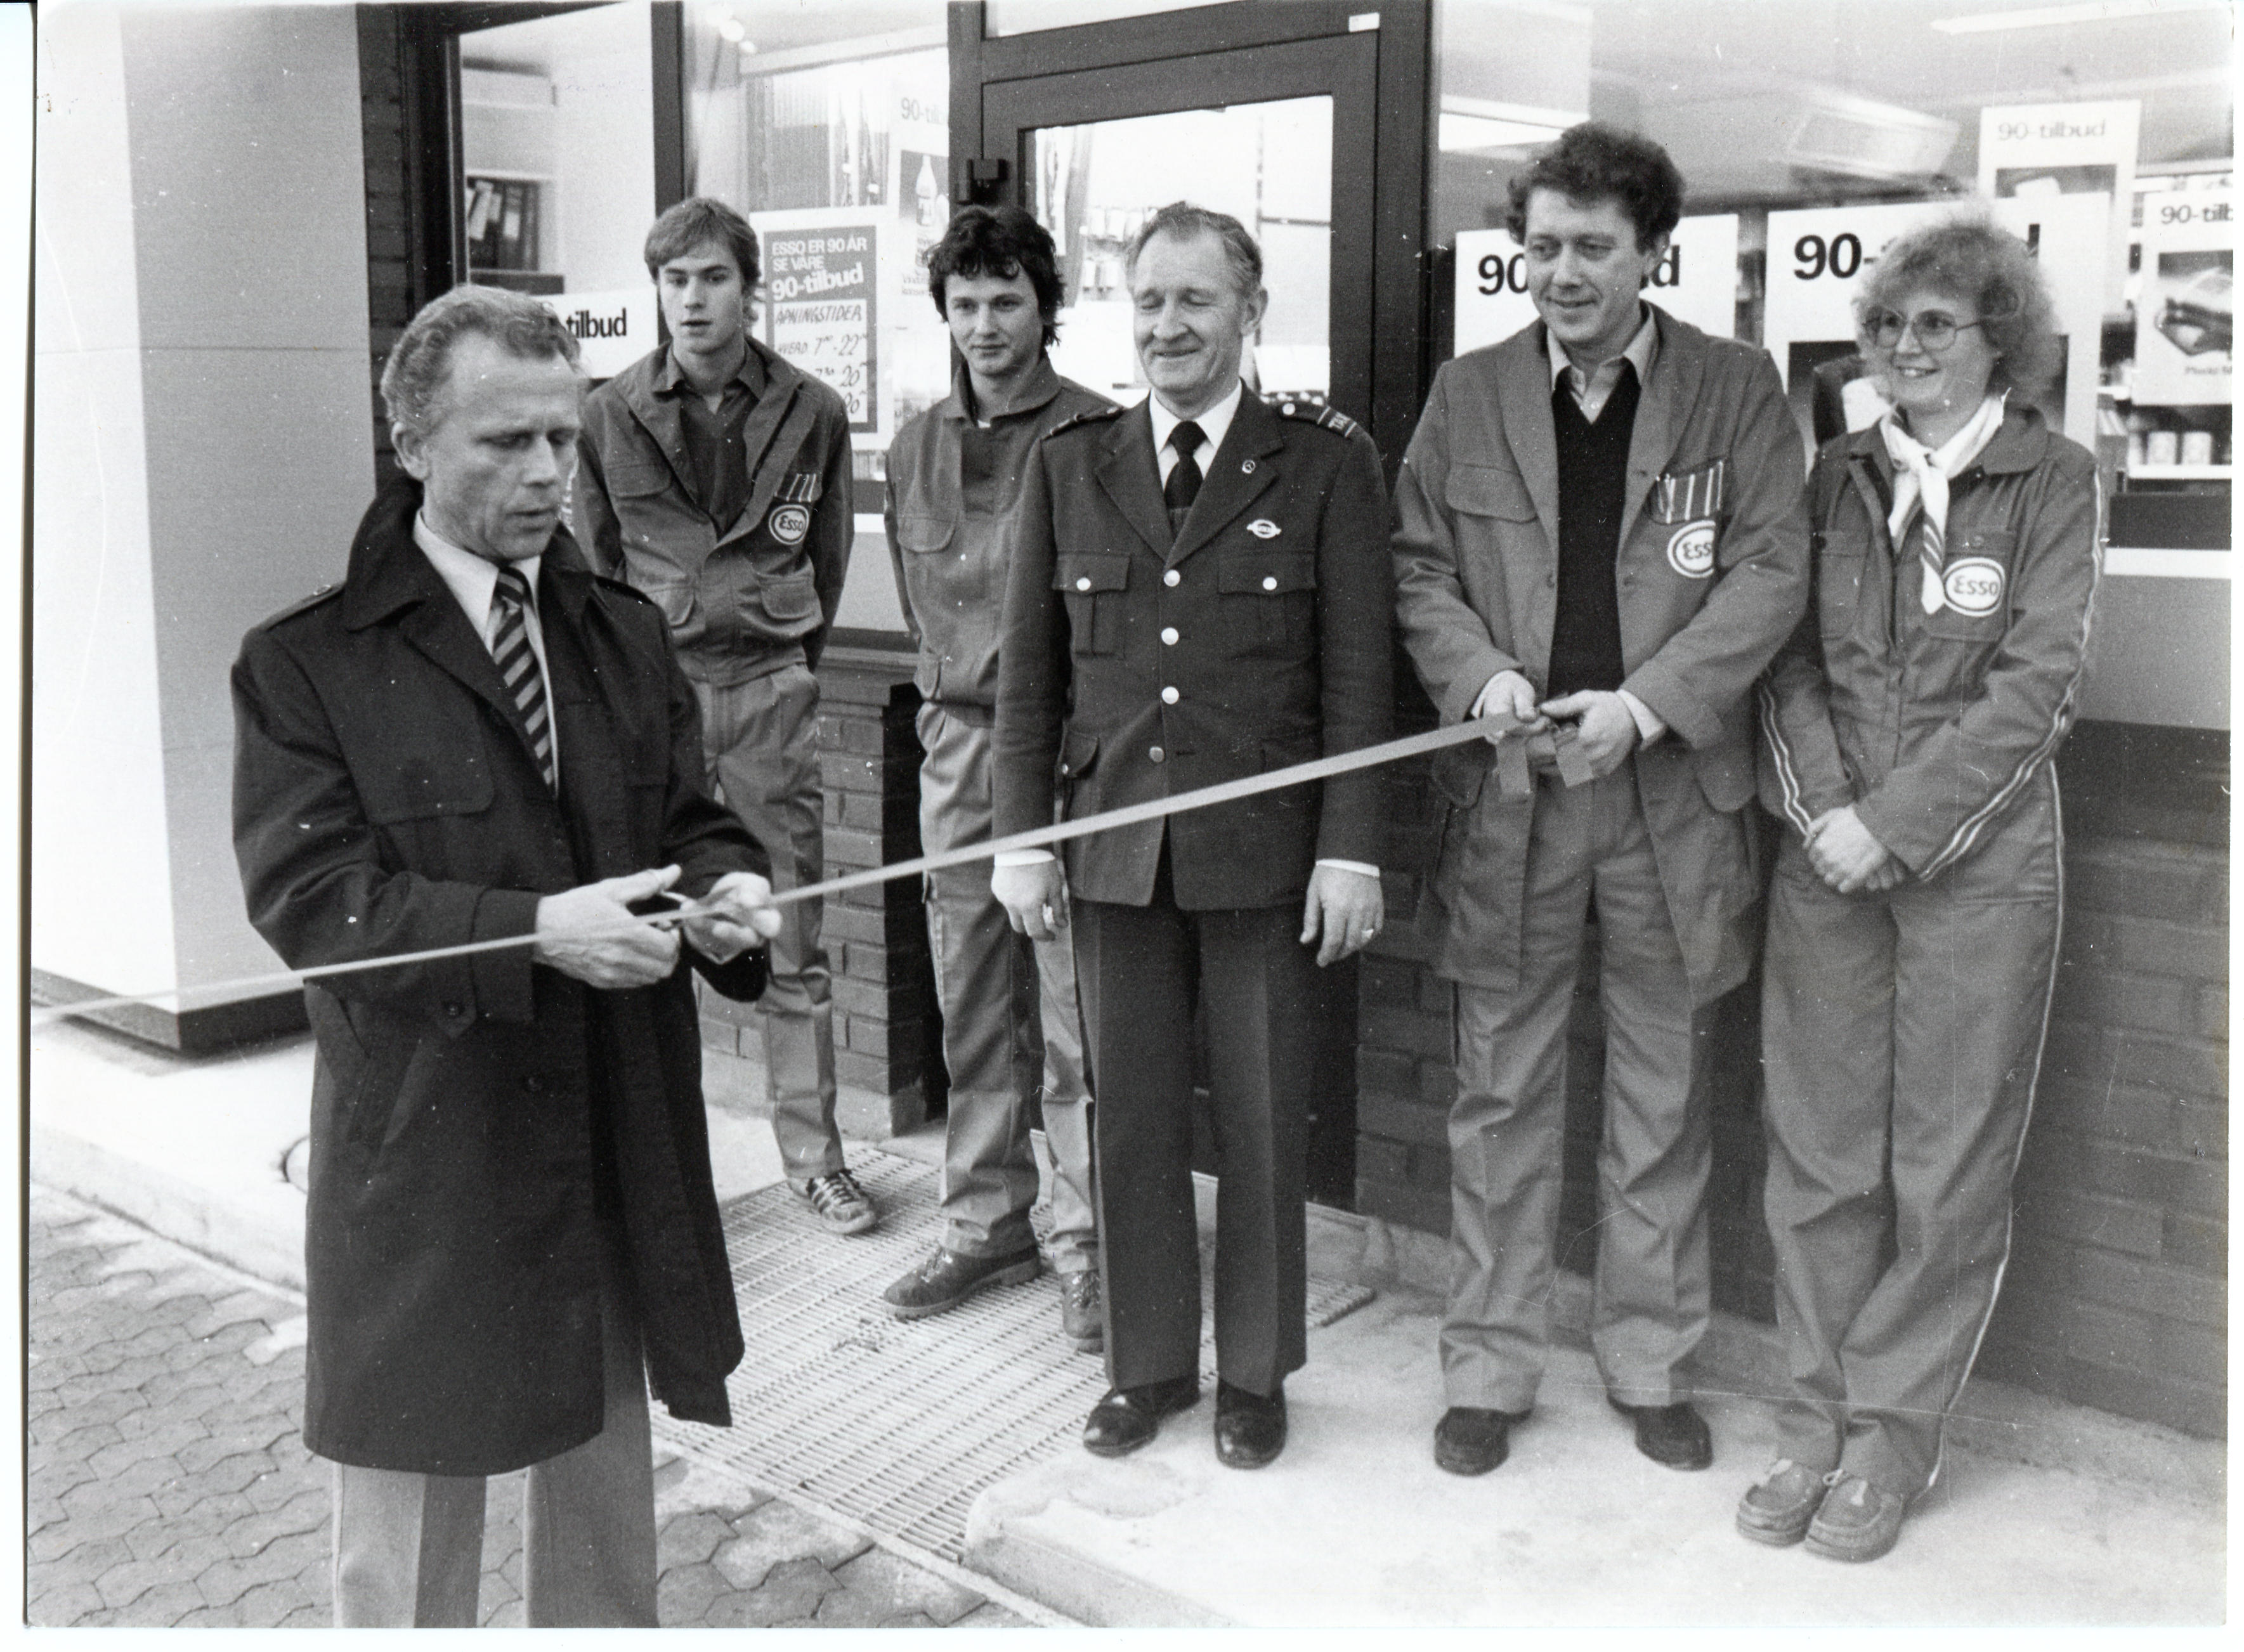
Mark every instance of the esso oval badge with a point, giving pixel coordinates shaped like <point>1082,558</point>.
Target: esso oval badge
<point>1691,550</point>
<point>789,522</point>
<point>1973,586</point>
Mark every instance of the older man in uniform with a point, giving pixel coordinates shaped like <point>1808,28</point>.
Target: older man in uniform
<point>716,479</point>
<point>1602,538</point>
<point>510,1225</point>
<point>1200,593</point>
<point>1009,1005</point>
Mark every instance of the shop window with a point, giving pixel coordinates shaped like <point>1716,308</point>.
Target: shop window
<point>557,151</point>
<point>1268,164</point>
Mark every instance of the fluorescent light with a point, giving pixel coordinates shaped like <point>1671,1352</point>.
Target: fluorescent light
<point>2056,17</point>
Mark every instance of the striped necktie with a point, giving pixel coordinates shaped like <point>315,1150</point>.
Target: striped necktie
<point>517,664</point>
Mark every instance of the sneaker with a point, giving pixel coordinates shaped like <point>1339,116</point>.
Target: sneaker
<point>1857,1521</point>
<point>946,1279</point>
<point>1083,1310</point>
<point>840,1205</point>
<point>1776,1512</point>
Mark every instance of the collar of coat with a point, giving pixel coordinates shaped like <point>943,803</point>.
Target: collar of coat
<point>1129,472</point>
<point>387,572</point>
<point>2019,443</point>
<point>1042,386</point>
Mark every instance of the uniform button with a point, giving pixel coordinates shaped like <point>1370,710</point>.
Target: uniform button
<point>456,1010</point>
<point>1170,697</point>
<point>1172,577</point>
<point>1169,635</point>
<point>534,1084</point>
<point>1269,581</point>
<point>1157,755</point>
<point>1083,584</point>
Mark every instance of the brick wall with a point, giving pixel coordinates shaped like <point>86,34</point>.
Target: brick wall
<point>886,1042</point>
<point>384,119</point>
<point>2115,1296</point>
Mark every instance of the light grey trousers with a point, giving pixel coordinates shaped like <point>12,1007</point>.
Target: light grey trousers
<point>1011,1029</point>
<point>1507,1127</point>
<point>760,738</point>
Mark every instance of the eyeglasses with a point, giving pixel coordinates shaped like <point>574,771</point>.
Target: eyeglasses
<point>1936,329</point>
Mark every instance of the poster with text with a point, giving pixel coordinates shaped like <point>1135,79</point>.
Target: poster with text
<point>824,298</point>
<point>613,327</point>
<point>2185,311</point>
<point>2036,151</point>
<point>1816,262</point>
<point>1696,282</point>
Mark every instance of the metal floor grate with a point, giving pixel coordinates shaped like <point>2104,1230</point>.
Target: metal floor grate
<point>898,1426</point>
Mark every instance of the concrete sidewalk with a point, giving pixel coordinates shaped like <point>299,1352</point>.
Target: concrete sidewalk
<point>2045,1513</point>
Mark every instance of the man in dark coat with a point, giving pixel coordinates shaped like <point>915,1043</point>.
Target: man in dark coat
<point>1199,593</point>
<point>511,1225</point>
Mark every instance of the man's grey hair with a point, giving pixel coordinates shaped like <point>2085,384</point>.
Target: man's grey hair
<point>1184,221</point>
<point>413,380</point>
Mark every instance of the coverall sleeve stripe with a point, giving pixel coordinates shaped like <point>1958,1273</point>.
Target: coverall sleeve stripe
<point>1787,772</point>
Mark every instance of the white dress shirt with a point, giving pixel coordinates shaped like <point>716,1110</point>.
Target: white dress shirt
<point>471,580</point>
<point>1214,425</point>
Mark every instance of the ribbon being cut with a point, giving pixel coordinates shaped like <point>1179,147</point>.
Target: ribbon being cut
<point>1516,756</point>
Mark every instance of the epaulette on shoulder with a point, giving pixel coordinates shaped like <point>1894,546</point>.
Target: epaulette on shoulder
<point>1324,418</point>
<point>325,594</point>
<point>1085,416</point>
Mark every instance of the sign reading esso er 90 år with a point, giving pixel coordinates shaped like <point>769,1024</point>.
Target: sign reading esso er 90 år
<point>613,329</point>
<point>1697,281</point>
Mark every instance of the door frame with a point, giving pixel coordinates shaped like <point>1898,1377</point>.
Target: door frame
<point>1143,57</point>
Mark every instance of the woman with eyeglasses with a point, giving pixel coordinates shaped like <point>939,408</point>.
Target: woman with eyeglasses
<point>1909,729</point>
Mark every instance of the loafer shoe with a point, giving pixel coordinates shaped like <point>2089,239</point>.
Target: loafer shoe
<point>1472,1439</point>
<point>1083,1310</point>
<point>1857,1521</point>
<point>838,1203</point>
<point>1776,1511</point>
<point>1250,1428</point>
<point>1674,1435</point>
<point>1126,1417</point>
<point>946,1279</point>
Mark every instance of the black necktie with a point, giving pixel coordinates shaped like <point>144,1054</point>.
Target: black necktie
<point>1183,485</point>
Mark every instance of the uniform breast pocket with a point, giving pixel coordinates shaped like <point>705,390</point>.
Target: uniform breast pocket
<point>781,607</point>
<point>1839,571</point>
<point>1094,586</point>
<point>923,536</point>
<point>1269,600</point>
<point>1975,587</point>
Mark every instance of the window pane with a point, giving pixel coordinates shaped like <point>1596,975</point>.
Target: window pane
<point>1268,164</point>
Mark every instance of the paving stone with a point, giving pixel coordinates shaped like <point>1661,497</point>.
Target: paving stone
<point>789,1594</point>
<point>82,1442</point>
<point>263,1606</point>
<point>509,1616</point>
<point>158,1608</point>
<point>226,1580</point>
<point>885,1576</point>
<point>122,1584</point>
<point>59,1608</point>
<point>990,1615</point>
<point>93,1522</point>
<point>690,1540</point>
<point>87,1562</point>
<point>846,1609</point>
<point>780,1531</point>
<point>239,1473</point>
<point>910,1621</point>
<point>682,1595</point>
<point>212,1617</point>
<point>310,1617</point>
<point>305,1512</point>
<point>213,1449</point>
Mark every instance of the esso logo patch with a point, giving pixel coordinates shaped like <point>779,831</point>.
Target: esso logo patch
<point>1691,551</point>
<point>1973,586</point>
<point>789,522</point>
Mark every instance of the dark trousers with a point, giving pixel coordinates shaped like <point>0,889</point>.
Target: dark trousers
<point>1142,972</point>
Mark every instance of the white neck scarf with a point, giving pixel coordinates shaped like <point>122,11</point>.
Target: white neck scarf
<point>1921,476</point>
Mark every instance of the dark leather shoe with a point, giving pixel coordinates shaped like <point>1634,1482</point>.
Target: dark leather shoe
<point>1675,1435</point>
<point>1250,1428</point>
<point>946,1279</point>
<point>1127,1418</point>
<point>1471,1440</point>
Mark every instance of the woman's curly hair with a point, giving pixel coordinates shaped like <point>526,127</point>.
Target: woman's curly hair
<point>1973,262</point>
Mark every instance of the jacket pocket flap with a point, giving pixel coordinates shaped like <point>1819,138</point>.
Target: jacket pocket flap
<point>411,787</point>
<point>1266,572</point>
<point>1077,753</point>
<point>1091,573</point>
<point>637,481</point>
<point>1461,771</point>
<point>1488,490</point>
<point>923,532</point>
<point>676,601</point>
<point>794,596</point>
